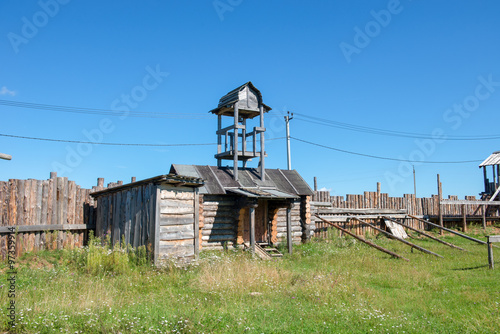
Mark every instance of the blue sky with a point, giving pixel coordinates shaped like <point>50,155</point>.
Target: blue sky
<point>408,66</point>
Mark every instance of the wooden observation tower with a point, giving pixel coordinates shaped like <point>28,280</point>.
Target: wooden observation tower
<point>491,186</point>
<point>242,104</point>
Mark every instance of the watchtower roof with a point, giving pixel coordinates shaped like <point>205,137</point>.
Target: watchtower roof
<point>492,160</point>
<point>248,97</point>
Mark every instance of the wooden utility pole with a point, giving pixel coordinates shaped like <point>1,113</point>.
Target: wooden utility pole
<point>414,183</point>
<point>5,156</point>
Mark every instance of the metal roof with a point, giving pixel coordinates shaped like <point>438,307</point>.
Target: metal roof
<point>175,179</point>
<point>219,181</point>
<point>493,159</point>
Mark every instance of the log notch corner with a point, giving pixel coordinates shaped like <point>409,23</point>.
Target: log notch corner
<point>305,218</point>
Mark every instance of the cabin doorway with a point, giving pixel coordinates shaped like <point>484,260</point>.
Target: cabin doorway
<point>261,222</point>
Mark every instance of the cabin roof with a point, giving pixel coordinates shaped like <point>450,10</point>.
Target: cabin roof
<point>492,160</point>
<point>219,181</point>
<point>173,179</point>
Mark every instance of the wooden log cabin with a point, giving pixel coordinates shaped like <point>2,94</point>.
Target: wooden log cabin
<point>213,207</point>
<point>251,211</point>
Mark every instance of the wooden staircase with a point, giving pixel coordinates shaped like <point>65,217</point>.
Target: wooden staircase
<point>265,251</point>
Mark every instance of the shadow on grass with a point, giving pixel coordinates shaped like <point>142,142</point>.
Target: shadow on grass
<point>472,268</point>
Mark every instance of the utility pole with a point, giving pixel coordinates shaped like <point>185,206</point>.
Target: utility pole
<point>414,183</point>
<point>5,156</point>
<point>287,121</point>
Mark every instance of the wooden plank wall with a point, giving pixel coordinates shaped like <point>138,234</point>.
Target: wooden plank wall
<point>42,203</point>
<point>127,216</point>
<point>177,232</point>
<point>426,206</point>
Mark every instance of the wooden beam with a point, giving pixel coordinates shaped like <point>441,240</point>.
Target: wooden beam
<point>486,190</point>
<point>228,128</point>
<point>235,143</point>
<point>370,211</point>
<point>449,230</point>
<point>196,223</point>
<point>243,141</point>
<point>397,238</point>
<point>378,194</point>
<point>252,229</point>
<point>41,228</point>
<point>483,216</point>
<point>498,173</point>
<point>440,196</point>
<point>219,138</point>
<point>363,240</point>
<point>452,202</point>
<point>289,240</point>
<point>494,175</point>
<point>262,146</point>
<point>344,218</point>
<point>491,239</point>
<point>425,234</point>
<point>494,195</point>
<point>464,218</point>
<point>490,255</point>
<point>156,198</point>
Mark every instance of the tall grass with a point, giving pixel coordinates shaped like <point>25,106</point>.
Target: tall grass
<point>100,257</point>
<point>328,286</point>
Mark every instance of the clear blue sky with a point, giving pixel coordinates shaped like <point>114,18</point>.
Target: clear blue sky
<point>392,65</point>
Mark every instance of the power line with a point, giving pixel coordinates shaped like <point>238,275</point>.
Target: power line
<point>385,132</point>
<point>383,158</point>
<point>107,112</point>
<point>99,143</point>
<point>111,144</point>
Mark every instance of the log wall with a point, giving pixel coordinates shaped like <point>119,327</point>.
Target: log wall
<point>220,221</point>
<point>280,217</point>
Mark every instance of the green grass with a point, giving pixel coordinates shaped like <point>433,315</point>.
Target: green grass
<point>333,286</point>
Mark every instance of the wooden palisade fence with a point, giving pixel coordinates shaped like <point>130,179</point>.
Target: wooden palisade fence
<point>425,207</point>
<point>56,213</point>
<point>48,214</point>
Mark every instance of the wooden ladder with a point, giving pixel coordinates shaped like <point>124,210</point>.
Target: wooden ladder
<point>271,251</point>
<point>265,251</point>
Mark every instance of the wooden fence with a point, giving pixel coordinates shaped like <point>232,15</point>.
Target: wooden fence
<point>48,214</point>
<point>56,213</point>
<point>425,207</point>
